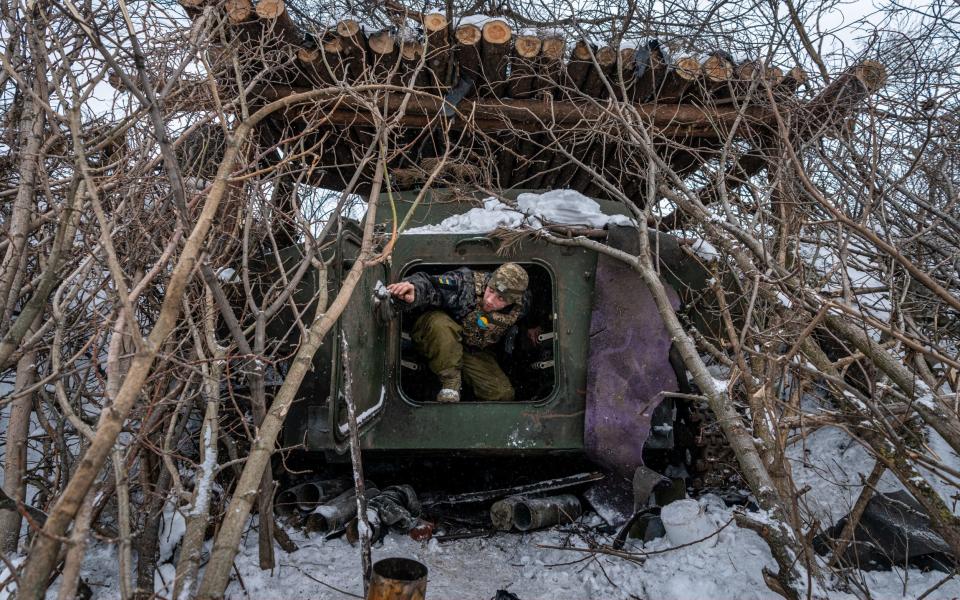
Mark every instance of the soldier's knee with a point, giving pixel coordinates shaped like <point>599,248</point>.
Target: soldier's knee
<point>501,391</point>
<point>436,321</point>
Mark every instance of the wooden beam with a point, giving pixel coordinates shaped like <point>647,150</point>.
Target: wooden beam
<point>536,115</point>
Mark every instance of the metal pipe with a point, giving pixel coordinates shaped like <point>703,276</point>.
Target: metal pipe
<point>398,579</point>
<point>286,502</point>
<point>336,513</point>
<point>537,513</point>
<point>312,493</point>
<point>501,513</point>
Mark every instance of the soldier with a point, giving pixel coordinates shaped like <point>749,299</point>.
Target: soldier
<point>476,310</point>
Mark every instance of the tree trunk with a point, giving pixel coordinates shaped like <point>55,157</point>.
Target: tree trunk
<point>14,466</point>
<point>227,544</point>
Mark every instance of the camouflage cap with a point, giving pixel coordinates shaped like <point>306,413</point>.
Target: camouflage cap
<point>510,281</point>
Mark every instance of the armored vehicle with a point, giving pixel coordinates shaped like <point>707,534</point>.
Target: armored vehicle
<point>593,377</point>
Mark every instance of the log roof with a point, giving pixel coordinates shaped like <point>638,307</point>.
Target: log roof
<point>517,105</point>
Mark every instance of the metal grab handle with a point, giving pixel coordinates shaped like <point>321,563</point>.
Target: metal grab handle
<point>461,245</point>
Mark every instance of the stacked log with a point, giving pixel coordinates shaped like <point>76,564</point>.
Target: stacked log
<point>468,38</point>
<point>494,52</point>
<point>527,87</point>
<point>353,46</point>
<point>579,65</point>
<point>650,69</point>
<point>599,74</point>
<point>523,72</point>
<point>239,11</point>
<point>550,65</point>
<point>384,54</point>
<point>717,70</point>
<point>679,77</point>
<point>626,72</point>
<point>437,50</point>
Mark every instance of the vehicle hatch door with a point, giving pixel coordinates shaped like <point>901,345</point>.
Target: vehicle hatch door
<point>365,347</point>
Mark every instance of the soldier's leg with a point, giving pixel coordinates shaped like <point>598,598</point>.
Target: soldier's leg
<point>484,375</point>
<point>437,337</point>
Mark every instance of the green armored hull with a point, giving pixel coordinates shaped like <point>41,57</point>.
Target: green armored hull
<point>392,387</point>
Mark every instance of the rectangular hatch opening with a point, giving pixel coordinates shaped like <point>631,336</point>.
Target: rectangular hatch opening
<point>530,365</point>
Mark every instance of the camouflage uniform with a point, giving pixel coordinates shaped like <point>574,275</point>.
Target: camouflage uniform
<point>457,339</point>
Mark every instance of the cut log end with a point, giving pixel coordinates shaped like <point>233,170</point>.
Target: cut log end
<point>528,46</point>
<point>872,74</point>
<point>411,50</point>
<point>270,9</point>
<point>628,58</point>
<point>348,27</point>
<point>606,56</point>
<point>239,11</point>
<point>434,21</point>
<point>308,55</point>
<point>748,70</point>
<point>797,75</point>
<point>581,51</point>
<point>717,69</point>
<point>496,32</point>
<point>774,75</point>
<point>468,35</point>
<point>333,46</point>
<point>553,47</point>
<point>687,68</point>
<point>381,42</point>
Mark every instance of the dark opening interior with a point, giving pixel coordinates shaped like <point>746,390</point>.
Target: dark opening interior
<point>529,366</point>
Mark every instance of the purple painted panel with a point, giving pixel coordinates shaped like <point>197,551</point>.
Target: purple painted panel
<point>628,367</point>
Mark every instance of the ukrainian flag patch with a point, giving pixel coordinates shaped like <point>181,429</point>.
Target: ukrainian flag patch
<point>483,322</point>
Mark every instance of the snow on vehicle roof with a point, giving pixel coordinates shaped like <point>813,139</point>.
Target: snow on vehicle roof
<point>558,207</point>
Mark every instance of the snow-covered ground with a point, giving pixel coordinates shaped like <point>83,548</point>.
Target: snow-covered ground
<point>524,565</point>
<point>530,566</point>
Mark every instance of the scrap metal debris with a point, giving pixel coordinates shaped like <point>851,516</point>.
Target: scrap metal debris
<point>540,487</point>
<point>528,514</point>
<point>893,531</point>
<point>395,507</point>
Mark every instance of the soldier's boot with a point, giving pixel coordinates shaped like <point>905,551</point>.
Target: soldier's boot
<point>449,385</point>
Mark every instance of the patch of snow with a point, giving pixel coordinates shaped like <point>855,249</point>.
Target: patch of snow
<point>205,476</point>
<point>831,463</point>
<point>172,528</point>
<point>704,249</point>
<point>478,20</point>
<point>163,580</point>
<point>567,207</point>
<point>562,207</point>
<point>228,275</point>
<point>494,214</point>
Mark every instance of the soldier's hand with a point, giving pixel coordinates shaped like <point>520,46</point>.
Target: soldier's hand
<point>403,290</point>
<point>533,334</point>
